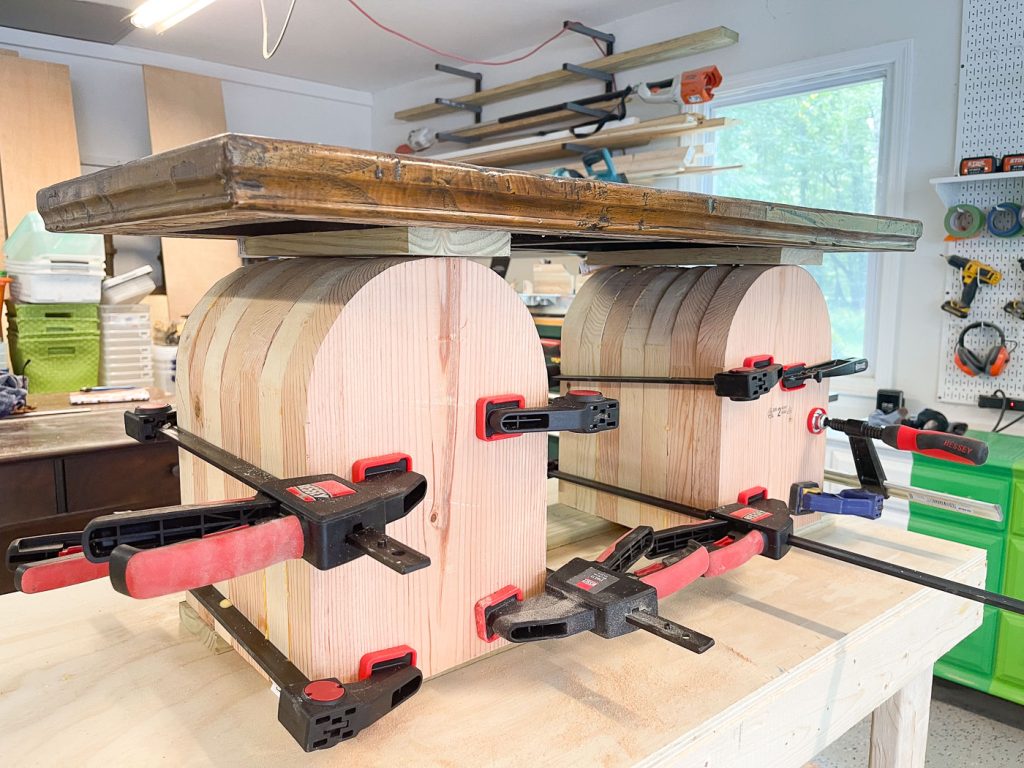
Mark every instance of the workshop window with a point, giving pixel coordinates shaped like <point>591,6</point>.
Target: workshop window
<point>818,148</point>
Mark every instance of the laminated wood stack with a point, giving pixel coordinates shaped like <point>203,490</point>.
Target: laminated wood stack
<point>303,366</point>
<point>682,442</point>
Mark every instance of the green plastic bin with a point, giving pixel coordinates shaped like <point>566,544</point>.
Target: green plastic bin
<point>57,363</point>
<point>53,319</point>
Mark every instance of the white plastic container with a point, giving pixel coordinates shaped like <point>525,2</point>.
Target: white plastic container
<point>165,367</point>
<point>132,379</point>
<point>128,288</point>
<point>127,334</point>
<point>55,284</point>
<point>30,243</point>
<point>116,315</point>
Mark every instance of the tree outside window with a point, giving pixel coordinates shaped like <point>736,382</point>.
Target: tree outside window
<point>820,149</point>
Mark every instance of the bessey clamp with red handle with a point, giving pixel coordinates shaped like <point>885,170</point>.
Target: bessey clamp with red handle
<point>598,596</point>
<point>323,519</point>
<point>603,597</point>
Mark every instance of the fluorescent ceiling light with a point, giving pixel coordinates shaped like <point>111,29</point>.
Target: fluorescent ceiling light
<point>161,15</point>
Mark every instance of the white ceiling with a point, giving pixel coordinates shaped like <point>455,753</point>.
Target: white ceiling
<point>329,42</point>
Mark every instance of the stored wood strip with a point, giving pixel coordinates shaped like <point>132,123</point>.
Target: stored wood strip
<point>687,45</point>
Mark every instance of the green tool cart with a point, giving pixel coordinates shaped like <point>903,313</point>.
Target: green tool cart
<point>992,658</point>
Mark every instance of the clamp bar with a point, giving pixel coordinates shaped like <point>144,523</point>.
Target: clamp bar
<point>961,504</point>
<point>777,539</point>
<point>321,713</point>
<point>916,577</point>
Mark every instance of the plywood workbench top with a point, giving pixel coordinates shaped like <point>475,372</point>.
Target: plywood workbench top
<point>806,647</point>
<point>236,186</point>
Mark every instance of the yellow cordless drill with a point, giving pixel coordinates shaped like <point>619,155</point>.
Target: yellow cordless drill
<point>971,274</point>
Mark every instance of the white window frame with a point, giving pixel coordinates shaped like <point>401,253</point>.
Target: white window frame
<point>893,63</point>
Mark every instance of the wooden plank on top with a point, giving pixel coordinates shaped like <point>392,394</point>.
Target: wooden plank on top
<point>677,47</point>
<point>235,186</point>
<point>721,254</point>
<point>184,108</point>
<point>38,142</point>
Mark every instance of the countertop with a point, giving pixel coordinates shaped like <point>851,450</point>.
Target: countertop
<point>51,432</point>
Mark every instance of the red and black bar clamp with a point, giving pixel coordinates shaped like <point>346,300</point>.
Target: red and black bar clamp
<point>602,596</point>
<point>321,713</point>
<point>796,375</point>
<point>580,410</point>
<point>322,519</point>
<point>756,377</point>
<point>939,445</point>
<point>598,596</point>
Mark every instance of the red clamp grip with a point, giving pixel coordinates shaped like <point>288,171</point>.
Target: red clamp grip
<point>375,661</point>
<point>782,379</point>
<point>668,579</point>
<point>144,573</point>
<point>57,572</point>
<point>378,464</point>
<point>938,445</point>
<point>485,606</point>
<point>755,493</point>
<point>735,554</point>
<point>758,361</point>
<point>511,401</point>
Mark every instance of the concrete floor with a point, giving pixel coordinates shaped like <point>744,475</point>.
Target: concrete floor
<point>966,729</point>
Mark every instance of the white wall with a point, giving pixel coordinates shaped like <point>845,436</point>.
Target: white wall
<point>110,108</point>
<point>774,33</point>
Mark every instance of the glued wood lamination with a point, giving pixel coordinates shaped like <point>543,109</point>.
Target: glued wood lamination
<point>303,366</point>
<point>681,442</point>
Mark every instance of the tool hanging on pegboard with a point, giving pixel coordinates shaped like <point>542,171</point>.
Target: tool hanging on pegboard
<point>990,155</point>
<point>992,362</point>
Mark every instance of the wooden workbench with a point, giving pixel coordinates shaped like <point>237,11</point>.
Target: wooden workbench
<point>805,648</point>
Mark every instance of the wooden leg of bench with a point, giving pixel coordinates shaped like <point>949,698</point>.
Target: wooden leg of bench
<point>899,728</point>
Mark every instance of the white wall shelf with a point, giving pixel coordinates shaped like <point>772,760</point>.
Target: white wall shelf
<point>948,188</point>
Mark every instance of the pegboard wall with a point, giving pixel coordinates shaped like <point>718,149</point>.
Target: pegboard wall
<point>990,121</point>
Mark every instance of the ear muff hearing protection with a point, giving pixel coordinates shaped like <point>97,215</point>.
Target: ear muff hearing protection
<point>990,363</point>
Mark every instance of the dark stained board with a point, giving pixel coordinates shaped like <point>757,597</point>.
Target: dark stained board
<point>234,185</point>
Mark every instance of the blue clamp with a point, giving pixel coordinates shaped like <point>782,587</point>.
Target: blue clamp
<point>805,498</point>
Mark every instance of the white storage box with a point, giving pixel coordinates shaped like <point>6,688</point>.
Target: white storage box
<point>129,288</point>
<point>116,315</point>
<point>55,284</point>
<point>165,365</point>
<point>129,334</point>
<point>126,380</point>
<point>30,243</point>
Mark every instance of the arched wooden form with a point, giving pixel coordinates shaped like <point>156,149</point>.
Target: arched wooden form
<point>682,442</point>
<point>303,366</point>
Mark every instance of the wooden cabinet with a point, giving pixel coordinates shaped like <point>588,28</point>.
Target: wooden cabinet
<point>134,477</point>
<point>49,495</point>
<point>28,491</point>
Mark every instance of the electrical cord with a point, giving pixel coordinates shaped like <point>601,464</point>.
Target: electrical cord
<point>284,28</point>
<point>1002,413</point>
<point>1002,410</point>
<point>449,55</point>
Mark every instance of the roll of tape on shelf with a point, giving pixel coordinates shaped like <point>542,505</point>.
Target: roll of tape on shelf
<point>1010,214</point>
<point>963,221</point>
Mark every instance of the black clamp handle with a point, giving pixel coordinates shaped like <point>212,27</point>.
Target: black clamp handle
<point>579,410</point>
<point>797,375</point>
